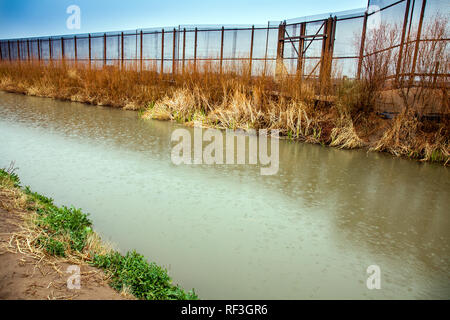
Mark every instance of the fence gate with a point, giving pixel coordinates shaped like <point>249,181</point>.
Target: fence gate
<point>306,49</point>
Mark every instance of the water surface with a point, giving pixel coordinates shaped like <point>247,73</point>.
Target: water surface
<point>310,231</point>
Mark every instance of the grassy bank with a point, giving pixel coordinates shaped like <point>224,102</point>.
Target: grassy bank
<point>66,233</point>
<point>340,114</point>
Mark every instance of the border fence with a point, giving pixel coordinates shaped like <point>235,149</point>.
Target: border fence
<point>312,47</point>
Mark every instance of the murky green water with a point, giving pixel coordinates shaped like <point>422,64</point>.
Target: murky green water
<point>310,231</point>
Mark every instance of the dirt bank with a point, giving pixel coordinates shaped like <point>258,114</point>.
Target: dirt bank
<point>26,275</point>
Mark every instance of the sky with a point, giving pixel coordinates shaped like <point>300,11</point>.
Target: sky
<point>29,18</point>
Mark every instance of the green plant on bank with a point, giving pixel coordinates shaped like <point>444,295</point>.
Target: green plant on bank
<point>145,280</point>
<point>66,230</point>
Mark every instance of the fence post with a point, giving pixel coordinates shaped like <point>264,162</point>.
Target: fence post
<point>416,49</point>
<point>104,49</point>
<point>141,49</point>
<point>122,52</point>
<point>327,53</point>
<point>1,54</point>
<point>28,49</point>
<point>76,50</point>
<point>173,52</point>
<point>265,53</point>
<point>50,49</point>
<point>162,52</point>
<point>90,57</point>
<point>39,50</point>
<point>280,49</point>
<point>301,45</point>
<point>402,41</point>
<point>195,50</point>
<point>221,49</point>
<point>62,48</point>
<point>18,50</point>
<point>184,47</point>
<point>9,50</point>
<point>251,51</point>
<point>361,49</point>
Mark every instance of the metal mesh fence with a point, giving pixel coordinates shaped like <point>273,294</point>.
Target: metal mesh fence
<point>335,44</point>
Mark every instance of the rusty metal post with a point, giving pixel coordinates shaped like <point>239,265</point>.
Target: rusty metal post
<point>28,50</point>
<point>361,49</point>
<point>280,49</point>
<point>39,50</point>
<point>265,53</point>
<point>419,33</point>
<point>173,52</point>
<point>75,47</point>
<point>90,56</point>
<point>162,53</point>
<point>402,41</point>
<point>18,49</point>
<point>221,49</point>
<point>251,51</point>
<point>122,52</point>
<point>141,50</point>
<point>62,48</point>
<point>326,56</point>
<point>104,49</point>
<point>184,47</point>
<point>195,50</point>
<point>50,47</point>
<point>301,45</point>
<point>9,50</point>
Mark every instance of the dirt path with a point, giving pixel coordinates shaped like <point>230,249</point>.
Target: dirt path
<point>23,277</point>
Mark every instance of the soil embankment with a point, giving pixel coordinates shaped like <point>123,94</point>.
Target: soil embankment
<point>25,276</point>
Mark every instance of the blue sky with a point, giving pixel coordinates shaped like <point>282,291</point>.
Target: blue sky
<point>48,17</point>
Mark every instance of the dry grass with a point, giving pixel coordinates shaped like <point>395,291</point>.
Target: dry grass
<point>338,113</point>
<point>27,233</point>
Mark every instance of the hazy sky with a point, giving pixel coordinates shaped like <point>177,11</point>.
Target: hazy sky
<point>24,18</point>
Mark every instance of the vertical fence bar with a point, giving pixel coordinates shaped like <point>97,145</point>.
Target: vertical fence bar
<point>184,47</point>
<point>173,52</point>
<point>18,50</point>
<point>141,50</point>
<point>1,54</point>
<point>122,52</point>
<point>62,48</point>
<point>251,51</point>
<point>419,33</point>
<point>162,52</point>
<point>9,50</point>
<point>195,50</point>
<point>327,53</point>
<point>301,45</point>
<point>50,47</point>
<point>28,50</point>
<point>76,50</point>
<point>361,49</point>
<point>221,49</point>
<point>265,53</point>
<point>104,49</point>
<point>280,49</point>
<point>90,56</point>
<point>402,41</point>
<point>39,50</point>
